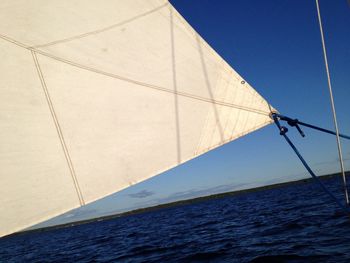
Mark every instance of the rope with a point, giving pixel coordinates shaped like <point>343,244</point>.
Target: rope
<point>296,122</point>
<point>283,130</point>
<point>333,106</point>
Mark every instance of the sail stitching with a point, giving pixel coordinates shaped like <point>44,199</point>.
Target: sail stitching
<point>233,137</point>
<point>249,116</point>
<point>208,85</point>
<point>225,114</point>
<point>208,48</point>
<point>205,135</point>
<point>184,94</point>
<point>98,31</point>
<point>204,128</point>
<point>218,125</point>
<point>58,128</point>
<point>111,75</point>
<point>242,98</point>
<point>232,96</point>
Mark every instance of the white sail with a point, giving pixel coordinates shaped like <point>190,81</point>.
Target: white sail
<point>96,96</point>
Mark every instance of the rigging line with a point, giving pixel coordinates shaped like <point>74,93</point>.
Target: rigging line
<point>59,130</point>
<point>323,130</point>
<point>100,30</point>
<point>296,122</point>
<point>283,130</point>
<point>333,106</point>
<point>139,83</point>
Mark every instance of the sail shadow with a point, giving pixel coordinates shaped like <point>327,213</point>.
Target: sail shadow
<point>209,88</point>
<point>176,102</point>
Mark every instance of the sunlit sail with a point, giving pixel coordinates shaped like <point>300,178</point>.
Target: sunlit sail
<point>99,95</point>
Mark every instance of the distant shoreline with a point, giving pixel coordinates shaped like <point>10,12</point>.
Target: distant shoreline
<point>179,203</point>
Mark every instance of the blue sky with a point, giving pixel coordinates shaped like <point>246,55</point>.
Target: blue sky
<point>276,47</point>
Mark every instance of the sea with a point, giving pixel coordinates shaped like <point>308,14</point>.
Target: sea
<point>295,223</point>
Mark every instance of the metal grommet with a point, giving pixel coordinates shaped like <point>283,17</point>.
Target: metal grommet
<point>242,82</point>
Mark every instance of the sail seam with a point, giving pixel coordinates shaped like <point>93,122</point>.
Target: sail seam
<point>136,82</point>
<point>217,125</point>
<point>204,128</point>
<point>59,130</point>
<point>139,83</point>
<point>233,137</point>
<point>211,92</point>
<point>234,127</point>
<point>98,31</point>
<point>249,115</point>
<point>209,49</point>
<point>270,121</point>
<point>230,111</point>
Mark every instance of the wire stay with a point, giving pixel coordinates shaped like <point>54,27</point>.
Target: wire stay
<point>283,130</point>
<point>341,162</point>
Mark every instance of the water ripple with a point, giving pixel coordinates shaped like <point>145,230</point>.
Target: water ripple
<point>293,224</point>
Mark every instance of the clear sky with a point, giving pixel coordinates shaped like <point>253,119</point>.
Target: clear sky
<point>275,45</point>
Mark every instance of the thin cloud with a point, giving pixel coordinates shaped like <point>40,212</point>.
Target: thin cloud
<point>193,193</point>
<point>346,159</point>
<point>141,194</point>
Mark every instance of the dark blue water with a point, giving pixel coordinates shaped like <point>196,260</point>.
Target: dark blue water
<point>290,224</point>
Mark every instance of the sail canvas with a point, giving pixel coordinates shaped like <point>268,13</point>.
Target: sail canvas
<point>97,96</point>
